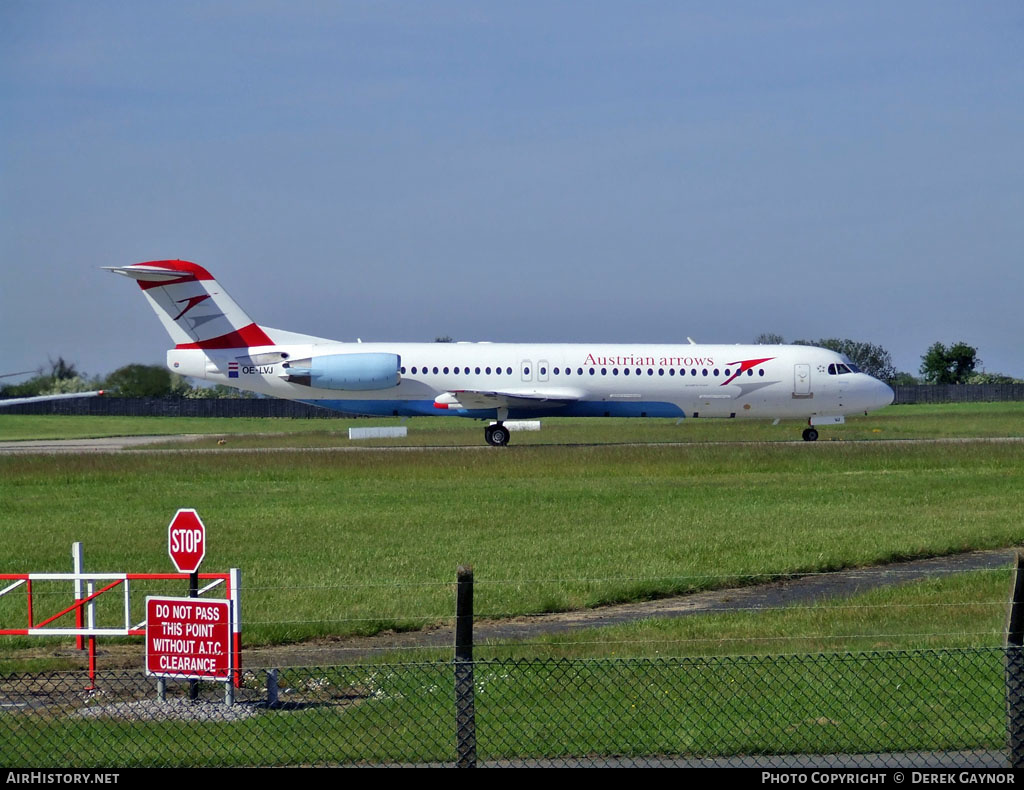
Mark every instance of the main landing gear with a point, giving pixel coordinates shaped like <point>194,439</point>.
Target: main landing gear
<point>496,435</point>
<point>810,435</point>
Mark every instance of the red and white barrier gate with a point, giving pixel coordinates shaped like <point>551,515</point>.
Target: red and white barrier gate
<point>87,587</point>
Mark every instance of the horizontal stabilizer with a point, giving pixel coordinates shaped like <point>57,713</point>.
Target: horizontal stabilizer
<point>151,274</point>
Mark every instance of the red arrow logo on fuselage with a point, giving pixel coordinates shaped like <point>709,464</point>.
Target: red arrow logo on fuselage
<point>745,365</point>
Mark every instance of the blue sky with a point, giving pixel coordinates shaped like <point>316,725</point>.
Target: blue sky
<point>543,171</point>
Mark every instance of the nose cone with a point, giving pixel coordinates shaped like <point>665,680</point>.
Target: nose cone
<point>879,394</point>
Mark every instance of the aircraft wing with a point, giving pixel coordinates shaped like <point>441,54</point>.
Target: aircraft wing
<point>44,398</point>
<point>506,399</point>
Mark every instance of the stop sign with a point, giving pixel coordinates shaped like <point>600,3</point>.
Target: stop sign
<point>186,540</point>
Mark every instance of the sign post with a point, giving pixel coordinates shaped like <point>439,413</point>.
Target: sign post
<point>186,545</point>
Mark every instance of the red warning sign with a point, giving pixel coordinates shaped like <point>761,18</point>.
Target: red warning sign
<point>188,638</point>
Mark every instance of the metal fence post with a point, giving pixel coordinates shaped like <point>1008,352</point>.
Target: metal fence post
<point>272,699</point>
<point>465,713</point>
<point>1015,670</point>
<point>78,566</point>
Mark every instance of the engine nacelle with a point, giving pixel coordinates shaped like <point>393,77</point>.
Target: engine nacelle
<point>346,371</point>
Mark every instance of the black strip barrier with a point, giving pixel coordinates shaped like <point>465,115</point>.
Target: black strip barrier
<point>275,407</point>
<point>177,407</point>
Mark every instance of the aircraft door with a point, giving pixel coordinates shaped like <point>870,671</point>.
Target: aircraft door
<point>526,369</point>
<point>802,381</point>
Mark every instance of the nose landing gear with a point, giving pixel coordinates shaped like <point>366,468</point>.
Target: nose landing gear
<point>810,435</point>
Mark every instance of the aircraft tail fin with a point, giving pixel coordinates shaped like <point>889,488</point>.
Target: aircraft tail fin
<point>194,309</point>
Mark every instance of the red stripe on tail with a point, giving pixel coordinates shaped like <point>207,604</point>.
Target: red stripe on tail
<point>251,335</point>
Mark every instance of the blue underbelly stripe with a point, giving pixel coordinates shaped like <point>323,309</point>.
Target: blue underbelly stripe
<point>425,408</point>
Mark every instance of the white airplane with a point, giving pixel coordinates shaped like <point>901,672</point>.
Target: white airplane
<point>215,340</point>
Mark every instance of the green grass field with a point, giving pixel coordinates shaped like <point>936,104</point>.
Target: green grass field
<point>894,422</point>
<point>336,543</point>
<point>340,543</point>
<point>962,611</point>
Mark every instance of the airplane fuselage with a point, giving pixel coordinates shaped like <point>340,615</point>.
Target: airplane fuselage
<point>570,380</point>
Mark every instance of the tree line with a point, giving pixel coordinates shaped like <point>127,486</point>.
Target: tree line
<point>130,381</point>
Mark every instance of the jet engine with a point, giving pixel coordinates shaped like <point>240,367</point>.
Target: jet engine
<point>346,371</point>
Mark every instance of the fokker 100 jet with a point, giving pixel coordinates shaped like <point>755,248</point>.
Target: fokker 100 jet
<point>214,339</point>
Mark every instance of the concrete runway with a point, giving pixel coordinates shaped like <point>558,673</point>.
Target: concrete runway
<point>108,444</point>
<point>113,444</point>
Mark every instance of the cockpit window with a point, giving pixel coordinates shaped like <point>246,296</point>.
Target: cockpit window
<point>838,369</point>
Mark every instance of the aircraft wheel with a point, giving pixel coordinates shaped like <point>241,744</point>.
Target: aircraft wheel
<point>810,435</point>
<point>496,435</point>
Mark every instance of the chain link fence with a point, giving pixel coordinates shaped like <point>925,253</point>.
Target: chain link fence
<point>888,709</point>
